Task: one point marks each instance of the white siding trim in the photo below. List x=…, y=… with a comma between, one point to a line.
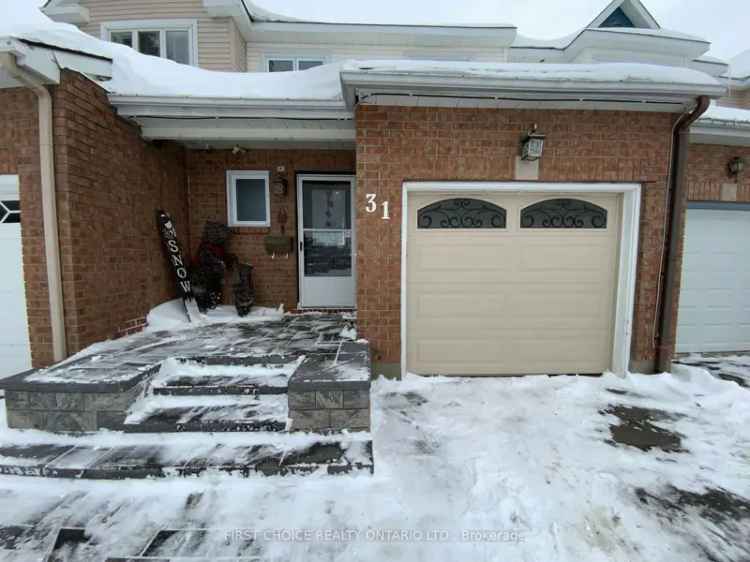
x=628, y=257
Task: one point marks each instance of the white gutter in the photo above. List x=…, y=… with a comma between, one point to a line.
x=490, y=87
x=49, y=205
x=168, y=106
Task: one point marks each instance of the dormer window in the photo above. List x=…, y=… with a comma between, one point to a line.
x=618, y=18
x=286, y=64
x=170, y=39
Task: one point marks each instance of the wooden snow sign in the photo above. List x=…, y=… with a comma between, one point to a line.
x=174, y=254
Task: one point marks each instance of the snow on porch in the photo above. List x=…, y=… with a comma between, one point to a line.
x=640, y=468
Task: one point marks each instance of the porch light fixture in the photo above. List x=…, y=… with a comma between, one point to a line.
x=736, y=166
x=532, y=145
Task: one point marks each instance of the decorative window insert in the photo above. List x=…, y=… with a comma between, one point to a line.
x=170, y=39
x=563, y=213
x=286, y=64
x=10, y=212
x=247, y=199
x=461, y=213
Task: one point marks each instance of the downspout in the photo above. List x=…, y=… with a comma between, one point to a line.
x=678, y=187
x=49, y=204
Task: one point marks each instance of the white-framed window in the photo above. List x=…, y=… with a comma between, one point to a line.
x=248, y=201
x=286, y=64
x=176, y=40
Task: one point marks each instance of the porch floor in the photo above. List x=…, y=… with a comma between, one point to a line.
x=272, y=375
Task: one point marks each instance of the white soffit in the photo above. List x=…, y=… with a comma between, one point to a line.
x=336, y=132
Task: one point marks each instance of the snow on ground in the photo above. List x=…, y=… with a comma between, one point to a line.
x=172, y=315
x=465, y=469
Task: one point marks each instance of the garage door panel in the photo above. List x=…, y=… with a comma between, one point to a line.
x=714, y=311
x=15, y=355
x=497, y=355
x=511, y=302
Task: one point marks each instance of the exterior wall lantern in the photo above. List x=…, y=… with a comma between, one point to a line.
x=736, y=166
x=532, y=145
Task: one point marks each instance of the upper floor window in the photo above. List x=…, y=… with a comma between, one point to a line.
x=285, y=64
x=169, y=39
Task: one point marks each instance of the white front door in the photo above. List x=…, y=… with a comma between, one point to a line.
x=15, y=352
x=326, y=241
x=715, y=294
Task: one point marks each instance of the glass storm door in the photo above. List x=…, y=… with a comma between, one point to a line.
x=326, y=234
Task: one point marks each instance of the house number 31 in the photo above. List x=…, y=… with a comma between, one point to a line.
x=372, y=205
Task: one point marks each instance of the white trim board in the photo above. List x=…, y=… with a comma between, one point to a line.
x=628, y=258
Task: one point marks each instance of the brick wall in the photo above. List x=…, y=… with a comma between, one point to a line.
x=708, y=177
x=275, y=279
x=109, y=185
x=19, y=155
x=395, y=144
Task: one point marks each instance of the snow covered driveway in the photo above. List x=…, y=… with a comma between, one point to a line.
x=486, y=469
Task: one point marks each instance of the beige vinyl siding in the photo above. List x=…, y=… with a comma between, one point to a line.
x=257, y=53
x=217, y=42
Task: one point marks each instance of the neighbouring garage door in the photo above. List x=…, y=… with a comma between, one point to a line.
x=15, y=355
x=715, y=296
x=501, y=283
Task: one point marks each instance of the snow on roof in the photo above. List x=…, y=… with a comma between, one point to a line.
x=730, y=115
x=739, y=66
x=560, y=43
x=314, y=13
x=23, y=20
x=135, y=74
x=593, y=73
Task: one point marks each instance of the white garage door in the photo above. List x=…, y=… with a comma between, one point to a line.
x=509, y=283
x=15, y=355
x=715, y=296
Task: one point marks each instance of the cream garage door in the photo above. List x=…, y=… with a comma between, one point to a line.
x=15, y=355
x=715, y=295
x=510, y=283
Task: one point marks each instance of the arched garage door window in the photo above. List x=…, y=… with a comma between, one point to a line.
x=563, y=213
x=461, y=213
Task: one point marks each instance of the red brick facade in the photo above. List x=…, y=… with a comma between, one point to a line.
x=708, y=172
x=275, y=279
x=395, y=144
x=109, y=185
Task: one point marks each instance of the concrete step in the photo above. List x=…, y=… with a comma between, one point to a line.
x=207, y=414
x=218, y=385
x=280, y=455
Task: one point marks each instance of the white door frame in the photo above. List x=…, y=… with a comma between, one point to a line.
x=628, y=243
x=300, y=232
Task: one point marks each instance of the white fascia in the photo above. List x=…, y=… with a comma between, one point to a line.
x=496, y=37
x=151, y=106
x=67, y=13
x=533, y=92
x=659, y=45
x=46, y=61
x=38, y=61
